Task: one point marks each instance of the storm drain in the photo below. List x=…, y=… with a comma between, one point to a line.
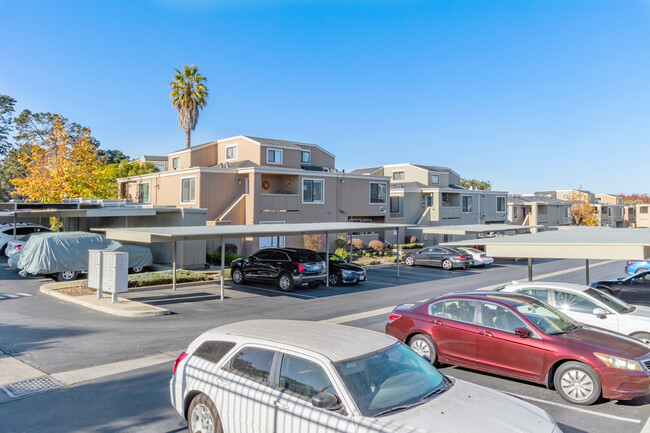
x=31, y=386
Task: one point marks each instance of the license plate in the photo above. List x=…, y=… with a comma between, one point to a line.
x=362, y=278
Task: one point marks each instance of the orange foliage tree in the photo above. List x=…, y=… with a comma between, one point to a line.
x=582, y=212
x=61, y=166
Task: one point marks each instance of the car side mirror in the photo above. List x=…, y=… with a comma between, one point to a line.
x=599, y=312
x=326, y=400
x=523, y=332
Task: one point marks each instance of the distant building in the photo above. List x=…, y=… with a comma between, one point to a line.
x=536, y=209
x=643, y=215
x=609, y=208
x=160, y=162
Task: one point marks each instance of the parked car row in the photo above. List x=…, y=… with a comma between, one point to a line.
x=447, y=258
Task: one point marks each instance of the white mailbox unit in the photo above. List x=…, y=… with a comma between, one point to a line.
x=115, y=271
x=95, y=271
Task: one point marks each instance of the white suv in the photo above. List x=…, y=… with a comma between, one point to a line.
x=590, y=306
x=22, y=230
x=299, y=376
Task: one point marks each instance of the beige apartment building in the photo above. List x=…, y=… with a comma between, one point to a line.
x=158, y=161
x=427, y=195
x=609, y=208
x=252, y=180
x=537, y=209
x=643, y=215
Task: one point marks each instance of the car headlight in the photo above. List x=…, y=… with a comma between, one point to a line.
x=347, y=273
x=618, y=362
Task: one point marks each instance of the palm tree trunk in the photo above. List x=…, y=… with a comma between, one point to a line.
x=187, y=139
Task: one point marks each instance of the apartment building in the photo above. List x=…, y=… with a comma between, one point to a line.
x=158, y=161
x=642, y=215
x=537, y=209
x=608, y=208
x=253, y=180
x=427, y=195
x=629, y=216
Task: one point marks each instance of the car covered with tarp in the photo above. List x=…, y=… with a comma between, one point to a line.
x=65, y=254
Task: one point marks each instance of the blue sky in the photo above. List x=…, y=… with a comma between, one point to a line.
x=531, y=95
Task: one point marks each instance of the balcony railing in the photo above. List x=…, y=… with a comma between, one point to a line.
x=449, y=212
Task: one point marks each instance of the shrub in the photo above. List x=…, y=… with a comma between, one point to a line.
x=216, y=257
x=357, y=243
x=165, y=277
x=412, y=239
x=340, y=242
x=411, y=246
x=313, y=242
x=342, y=253
x=231, y=248
x=377, y=245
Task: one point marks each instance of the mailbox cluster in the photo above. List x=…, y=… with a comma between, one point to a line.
x=108, y=271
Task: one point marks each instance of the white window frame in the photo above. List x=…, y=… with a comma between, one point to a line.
x=399, y=171
x=274, y=150
x=461, y=203
x=505, y=204
x=272, y=238
x=437, y=176
x=301, y=153
x=148, y=192
x=174, y=166
x=236, y=152
x=370, y=193
x=302, y=191
x=181, y=192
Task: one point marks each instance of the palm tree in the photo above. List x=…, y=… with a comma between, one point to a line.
x=188, y=94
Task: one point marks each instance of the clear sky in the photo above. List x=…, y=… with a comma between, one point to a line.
x=531, y=95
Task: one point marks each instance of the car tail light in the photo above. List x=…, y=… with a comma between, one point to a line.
x=393, y=317
x=300, y=267
x=462, y=257
x=629, y=262
x=17, y=247
x=181, y=357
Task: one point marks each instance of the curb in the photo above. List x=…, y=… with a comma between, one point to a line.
x=113, y=309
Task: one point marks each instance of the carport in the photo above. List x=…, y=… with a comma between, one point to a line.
x=587, y=243
x=174, y=235
x=476, y=229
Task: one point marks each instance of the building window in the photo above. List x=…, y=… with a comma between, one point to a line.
x=501, y=204
x=176, y=163
x=394, y=205
x=305, y=157
x=377, y=193
x=312, y=190
x=566, y=212
x=188, y=190
x=271, y=241
x=274, y=156
x=159, y=167
x=435, y=179
x=514, y=212
x=468, y=203
x=398, y=175
x=232, y=152
x=143, y=193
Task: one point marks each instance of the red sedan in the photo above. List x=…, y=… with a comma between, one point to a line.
x=518, y=336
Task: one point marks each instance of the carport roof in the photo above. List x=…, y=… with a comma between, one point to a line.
x=474, y=229
x=167, y=234
x=578, y=243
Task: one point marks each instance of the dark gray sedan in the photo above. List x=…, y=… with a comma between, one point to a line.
x=446, y=258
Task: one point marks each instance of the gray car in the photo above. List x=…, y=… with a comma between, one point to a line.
x=446, y=258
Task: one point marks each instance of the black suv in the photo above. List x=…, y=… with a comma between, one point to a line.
x=290, y=267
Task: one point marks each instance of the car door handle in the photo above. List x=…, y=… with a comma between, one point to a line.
x=223, y=382
x=436, y=322
x=280, y=405
x=486, y=333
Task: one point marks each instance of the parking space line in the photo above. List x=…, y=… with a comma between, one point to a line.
x=577, y=409
x=277, y=292
x=357, y=316
x=646, y=427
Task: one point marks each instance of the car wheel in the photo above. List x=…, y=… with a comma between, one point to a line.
x=605, y=290
x=237, y=276
x=643, y=336
x=409, y=261
x=577, y=383
x=67, y=275
x=137, y=269
x=640, y=270
x=2, y=250
x=423, y=346
x=335, y=279
x=285, y=282
x=202, y=416
x=447, y=265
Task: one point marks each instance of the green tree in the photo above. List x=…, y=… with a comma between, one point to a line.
x=188, y=95
x=6, y=117
x=476, y=184
x=111, y=156
x=109, y=174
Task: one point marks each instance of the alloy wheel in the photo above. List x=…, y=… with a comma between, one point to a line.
x=421, y=347
x=202, y=420
x=577, y=385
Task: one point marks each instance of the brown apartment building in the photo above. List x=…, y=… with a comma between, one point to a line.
x=252, y=180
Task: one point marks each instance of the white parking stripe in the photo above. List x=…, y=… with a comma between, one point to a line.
x=577, y=409
x=2, y=297
x=277, y=292
x=10, y=296
x=646, y=427
x=24, y=294
x=353, y=317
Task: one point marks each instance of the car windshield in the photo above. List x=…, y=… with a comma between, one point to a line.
x=547, y=319
x=613, y=303
x=390, y=379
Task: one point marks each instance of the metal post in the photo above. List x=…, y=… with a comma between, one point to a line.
x=113, y=298
x=173, y=265
x=530, y=269
x=58, y=221
x=398, y=252
x=223, y=264
x=327, y=258
x=351, y=247
x=587, y=271
x=14, y=225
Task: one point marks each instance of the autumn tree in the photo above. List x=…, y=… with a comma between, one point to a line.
x=476, y=184
x=62, y=164
x=635, y=198
x=582, y=213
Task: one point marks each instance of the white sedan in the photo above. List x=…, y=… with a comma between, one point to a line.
x=590, y=306
x=478, y=257
x=297, y=376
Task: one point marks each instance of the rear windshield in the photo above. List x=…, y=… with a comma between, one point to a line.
x=308, y=257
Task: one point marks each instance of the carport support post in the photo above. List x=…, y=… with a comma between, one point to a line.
x=173, y=265
x=530, y=269
x=587, y=271
x=327, y=258
x=398, y=252
x=14, y=225
x=223, y=264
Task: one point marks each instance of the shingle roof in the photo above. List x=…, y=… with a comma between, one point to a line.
x=275, y=142
x=409, y=185
x=155, y=157
x=432, y=167
x=367, y=170
x=518, y=199
x=239, y=164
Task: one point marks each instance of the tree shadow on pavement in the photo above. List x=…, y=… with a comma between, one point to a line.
x=16, y=340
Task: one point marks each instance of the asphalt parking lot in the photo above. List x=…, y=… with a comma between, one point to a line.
x=54, y=337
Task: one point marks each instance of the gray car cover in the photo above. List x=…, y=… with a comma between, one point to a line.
x=50, y=253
